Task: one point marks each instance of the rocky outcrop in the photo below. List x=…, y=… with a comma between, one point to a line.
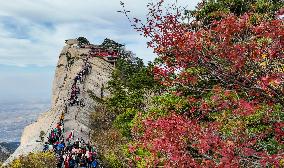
x=71, y=61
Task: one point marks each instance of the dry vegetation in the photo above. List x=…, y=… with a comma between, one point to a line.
x=107, y=138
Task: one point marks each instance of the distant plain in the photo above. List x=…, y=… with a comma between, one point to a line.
x=15, y=116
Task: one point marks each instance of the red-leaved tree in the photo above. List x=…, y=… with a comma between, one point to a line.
x=231, y=74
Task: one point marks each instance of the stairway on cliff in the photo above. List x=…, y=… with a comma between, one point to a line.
x=63, y=80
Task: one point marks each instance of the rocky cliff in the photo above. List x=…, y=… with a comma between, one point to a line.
x=71, y=61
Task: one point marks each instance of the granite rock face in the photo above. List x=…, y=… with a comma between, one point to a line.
x=70, y=63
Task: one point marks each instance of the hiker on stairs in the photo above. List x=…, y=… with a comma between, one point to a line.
x=70, y=153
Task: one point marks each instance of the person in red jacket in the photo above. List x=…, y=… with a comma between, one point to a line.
x=66, y=162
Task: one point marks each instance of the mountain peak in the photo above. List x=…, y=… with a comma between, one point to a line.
x=81, y=76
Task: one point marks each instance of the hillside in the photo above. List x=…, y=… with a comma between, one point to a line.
x=71, y=61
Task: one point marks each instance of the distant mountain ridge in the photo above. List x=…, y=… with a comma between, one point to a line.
x=7, y=148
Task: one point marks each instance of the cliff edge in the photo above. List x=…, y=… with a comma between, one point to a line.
x=72, y=59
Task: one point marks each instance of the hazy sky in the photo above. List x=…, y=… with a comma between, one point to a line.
x=32, y=33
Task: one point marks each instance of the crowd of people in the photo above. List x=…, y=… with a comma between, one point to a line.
x=74, y=99
x=70, y=152
x=79, y=78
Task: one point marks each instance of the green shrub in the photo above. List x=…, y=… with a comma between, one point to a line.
x=113, y=161
x=70, y=59
x=83, y=41
x=217, y=9
x=124, y=122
